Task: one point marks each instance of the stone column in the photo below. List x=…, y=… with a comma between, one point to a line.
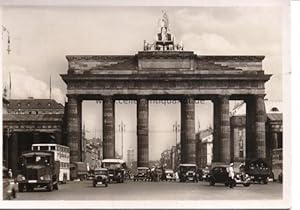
x=216, y=133
x=142, y=133
x=108, y=128
x=5, y=147
x=14, y=153
x=79, y=108
x=188, y=144
x=250, y=128
x=73, y=128
x=224, y=129
x=260, y=126
x=274, y=140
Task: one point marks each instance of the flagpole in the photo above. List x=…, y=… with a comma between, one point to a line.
x=50, y=88
x=9, y=85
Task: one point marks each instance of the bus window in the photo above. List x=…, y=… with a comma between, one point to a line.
x=44, y=148
x=52, y=148
x=35, y=148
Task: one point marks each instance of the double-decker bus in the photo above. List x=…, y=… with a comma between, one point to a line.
x=61, y=154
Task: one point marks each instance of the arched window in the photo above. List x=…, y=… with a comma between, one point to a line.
x=275, y=109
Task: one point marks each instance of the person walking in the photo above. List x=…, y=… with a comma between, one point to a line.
x=10, y=174
x=231, y=175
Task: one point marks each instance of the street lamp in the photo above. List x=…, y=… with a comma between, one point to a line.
x=122, y=130
x=4, y=30
x=176, y=129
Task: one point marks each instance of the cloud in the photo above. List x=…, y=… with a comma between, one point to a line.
x=208, y=43
x=24, y=85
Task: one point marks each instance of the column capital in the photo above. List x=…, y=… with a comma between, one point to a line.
x=221, y=96
x=260, y=95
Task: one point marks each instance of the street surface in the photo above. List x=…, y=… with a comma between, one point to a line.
x=155, y=191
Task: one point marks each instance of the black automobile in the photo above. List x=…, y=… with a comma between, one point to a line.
x=143, y=174
x=258, y=170
x=219, y=174
x=100, y=177
x=188, y=172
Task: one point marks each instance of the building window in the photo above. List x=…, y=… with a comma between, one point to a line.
x=44, y=148
x=28, y=104
x=275, y=109
x=52, y=147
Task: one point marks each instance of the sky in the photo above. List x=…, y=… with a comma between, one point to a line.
x=42, y=36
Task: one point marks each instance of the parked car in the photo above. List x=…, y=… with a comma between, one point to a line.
x=9, y=186
x=258, y=170
x=219, y=174
x=188, y=172
x=100, y=177
x=170, y=175
x=142, y=174
x=204, y=174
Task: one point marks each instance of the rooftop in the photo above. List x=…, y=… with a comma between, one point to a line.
x=32, y=103
x=32, y=118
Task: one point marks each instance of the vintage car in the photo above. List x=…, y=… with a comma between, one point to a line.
x=219, y=174
x=100, y=177
x=116, y=169
x=170, y=175
x=38, y=170
x=188, y=172
x=143, y=174
x=202, y=174
x=9, y=186
x=258, y=170
x=78, y=171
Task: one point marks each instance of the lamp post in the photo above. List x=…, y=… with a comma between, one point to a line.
x=176, y=129
x=122, y=130
x=4, y=30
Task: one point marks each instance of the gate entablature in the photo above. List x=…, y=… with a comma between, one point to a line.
x=163, y=62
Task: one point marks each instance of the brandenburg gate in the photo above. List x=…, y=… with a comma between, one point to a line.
x=163, y=70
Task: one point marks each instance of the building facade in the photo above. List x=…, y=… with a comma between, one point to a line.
x=30, y=121
x=204, y=148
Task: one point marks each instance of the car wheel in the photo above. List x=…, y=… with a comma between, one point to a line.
x=55, y=187
x=21, y=188
x=14, y=194
x=266, y=181
x=211, y=182
x=50, y=187
x=226, y=184
x=106, y=185
x=246, y=184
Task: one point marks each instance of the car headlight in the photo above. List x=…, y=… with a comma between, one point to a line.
x=45, y=177
x=20, y=178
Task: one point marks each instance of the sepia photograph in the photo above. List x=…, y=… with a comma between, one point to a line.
x=143, y=103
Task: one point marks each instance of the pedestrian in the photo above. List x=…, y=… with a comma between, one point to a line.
x=231, y=175
x=10, y=174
